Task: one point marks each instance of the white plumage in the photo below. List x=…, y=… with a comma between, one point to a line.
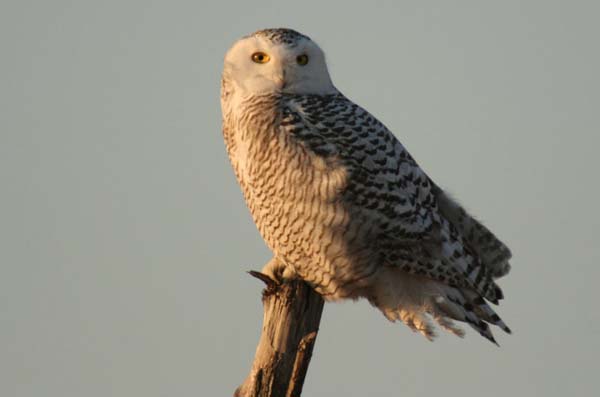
x=340, y=201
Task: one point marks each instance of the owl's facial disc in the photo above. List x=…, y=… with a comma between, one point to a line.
x=257, y=65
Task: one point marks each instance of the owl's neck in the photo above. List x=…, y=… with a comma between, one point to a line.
x=250, y=118
x=250, y=108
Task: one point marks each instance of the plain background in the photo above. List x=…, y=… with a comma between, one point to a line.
x=124, y=237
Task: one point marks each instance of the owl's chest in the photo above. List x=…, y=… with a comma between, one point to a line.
x=271, y=165
x=283, y=181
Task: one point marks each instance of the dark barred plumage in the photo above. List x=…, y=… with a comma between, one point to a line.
x=387, y=185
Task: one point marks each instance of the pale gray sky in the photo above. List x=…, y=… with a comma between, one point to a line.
x=124, y=237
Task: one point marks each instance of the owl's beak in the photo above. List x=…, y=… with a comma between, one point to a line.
x=279, y=79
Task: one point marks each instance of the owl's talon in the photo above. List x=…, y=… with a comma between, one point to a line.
x=277, y=271
x=271, y=285
x=262, y=277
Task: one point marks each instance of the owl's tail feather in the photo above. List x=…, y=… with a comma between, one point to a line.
x=416, y=301
x=484, y=311
x=469, y=307
x=455, y=307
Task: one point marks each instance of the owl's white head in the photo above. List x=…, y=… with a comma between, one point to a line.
x=276, y=60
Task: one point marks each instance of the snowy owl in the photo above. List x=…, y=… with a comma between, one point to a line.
x=339, y=200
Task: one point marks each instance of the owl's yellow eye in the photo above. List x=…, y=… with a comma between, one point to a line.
x=302, y=59
x=260, y=57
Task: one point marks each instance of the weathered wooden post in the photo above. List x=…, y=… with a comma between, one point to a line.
x=292, y=312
